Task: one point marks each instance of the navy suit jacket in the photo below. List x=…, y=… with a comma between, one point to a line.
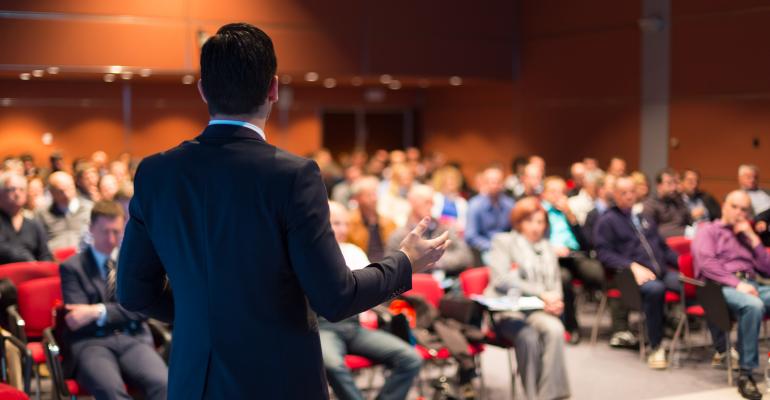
x=82, y=283
x=242, y=230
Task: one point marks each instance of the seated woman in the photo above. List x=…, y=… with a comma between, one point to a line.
x=524, y=261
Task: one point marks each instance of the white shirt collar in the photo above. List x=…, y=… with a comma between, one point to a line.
x=249, y=125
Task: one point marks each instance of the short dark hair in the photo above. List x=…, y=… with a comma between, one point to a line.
x=106, y=209
x=237, y=65
x=666, y=171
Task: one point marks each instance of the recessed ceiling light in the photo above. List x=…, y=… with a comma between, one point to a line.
x=455, y=81
x=188, y=79
x=109, y=77
x=145, y=72
x=52, y=70
x=385, y=79
x=330, y=83
x=25, y=76
x=311, y=76
x=37, y=73
x=394, y=84
x=115, y=69
x=127, y=75
x=47, y=138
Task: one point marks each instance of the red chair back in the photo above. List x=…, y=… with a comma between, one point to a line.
x=680, y=244
x=686, y=268
x=64, y=253
x=424, y=285
x=37, y=299
x=23, y=271
x=474, y=280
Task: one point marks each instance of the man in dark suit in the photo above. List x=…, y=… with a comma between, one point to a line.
x=241, y=229
x=107, y=341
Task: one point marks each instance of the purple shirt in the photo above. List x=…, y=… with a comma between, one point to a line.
x=718, y=254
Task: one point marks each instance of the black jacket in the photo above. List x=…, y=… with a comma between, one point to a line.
x=242, y=230
x=82, y=283
x=618, y=244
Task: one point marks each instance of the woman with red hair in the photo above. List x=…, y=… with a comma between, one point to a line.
x=522, y=261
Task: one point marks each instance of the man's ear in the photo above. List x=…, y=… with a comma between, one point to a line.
x=200, y=91
x=272, y=90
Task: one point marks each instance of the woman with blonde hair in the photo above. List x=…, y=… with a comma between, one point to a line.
x=448, y=206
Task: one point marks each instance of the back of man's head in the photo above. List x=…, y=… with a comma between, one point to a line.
x=237, y=67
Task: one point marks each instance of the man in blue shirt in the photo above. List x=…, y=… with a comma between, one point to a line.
x=568, y=242
x=488, y=212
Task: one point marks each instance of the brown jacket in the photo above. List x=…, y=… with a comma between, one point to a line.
x=359, y=234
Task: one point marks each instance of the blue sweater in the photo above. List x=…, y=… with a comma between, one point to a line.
x=618, y=243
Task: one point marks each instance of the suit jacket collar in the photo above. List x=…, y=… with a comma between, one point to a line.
x=228, y=132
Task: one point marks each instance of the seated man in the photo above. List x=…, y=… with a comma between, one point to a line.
x=368, y=229
x=348, y=337
x=488, y=212
x=748, y=180
x=566, y=237
x=457, y=256
x=108, y=343
x=729, y=252
x=66, y=220
x=21, y=238
x=667, y=209
x=626, y=240
x=702, y=205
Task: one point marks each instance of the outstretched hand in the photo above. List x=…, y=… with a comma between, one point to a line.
x=423, y=253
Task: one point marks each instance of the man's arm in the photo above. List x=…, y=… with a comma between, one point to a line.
x=332, y=289
x=141, y=277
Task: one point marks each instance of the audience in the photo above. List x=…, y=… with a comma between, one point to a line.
x=729, y=252
x=617, y=167
x=449, y=207
x=583, y=200
x=748, y=180
x=342, y=191
x=570, y=247
x=348, y=337
x=514, y=186
x=531, y=181
x=702, y=206
x=577, y=172
x=369, y=230
x=392, y=195
x=642, y=189
x=667, y=209
x=522, y=260
x=110, y=346
x=66, y=220
x=87, y=183
x=487, y=212
x=21, y=238
x=627, y=240
x=457, y=256
x=608, y=216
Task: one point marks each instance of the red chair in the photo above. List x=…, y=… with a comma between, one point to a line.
x=23, y=271
x=680, y=244
x=64, y=253
x=688, y=295
x=8, y=392
x=425, y=286
x=37, y=299
x=474, y=281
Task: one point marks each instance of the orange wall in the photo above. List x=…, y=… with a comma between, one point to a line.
x=720, y=91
